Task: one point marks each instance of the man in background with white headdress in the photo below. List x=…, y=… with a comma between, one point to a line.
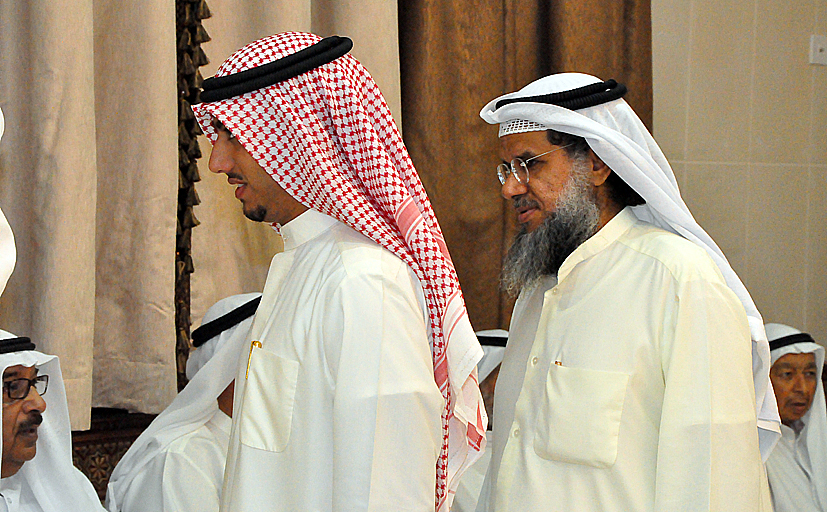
x=493, y=345
x=627, y=383
x=36, y=472
x=177, y=464
x=359, y=388
x=797, y=467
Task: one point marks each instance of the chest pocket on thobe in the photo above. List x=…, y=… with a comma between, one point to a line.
x=579, y=417
x=267, y=406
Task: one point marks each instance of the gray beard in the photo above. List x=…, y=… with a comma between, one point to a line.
x=542, y=251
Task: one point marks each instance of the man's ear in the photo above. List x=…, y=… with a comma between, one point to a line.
x=600, y=171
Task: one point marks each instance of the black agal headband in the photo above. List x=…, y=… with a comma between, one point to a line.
x=15, y=345
x=575, y=99
x=224, y=87
x=492, y=341
x=224, y=322
x=792, y=339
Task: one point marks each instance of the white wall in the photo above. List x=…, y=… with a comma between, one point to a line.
x=742, y=117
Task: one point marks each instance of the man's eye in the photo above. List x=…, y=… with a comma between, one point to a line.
x=15, y=386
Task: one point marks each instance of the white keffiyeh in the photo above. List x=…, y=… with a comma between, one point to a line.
x=211, y=368
x=50, y=476
x=616, y=134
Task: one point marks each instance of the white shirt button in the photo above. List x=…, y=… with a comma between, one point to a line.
x=516, y=432
x=534, y=361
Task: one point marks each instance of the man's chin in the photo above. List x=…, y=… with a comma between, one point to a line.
x=256, y=214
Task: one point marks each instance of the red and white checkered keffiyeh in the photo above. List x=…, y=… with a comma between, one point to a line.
x=327, y=137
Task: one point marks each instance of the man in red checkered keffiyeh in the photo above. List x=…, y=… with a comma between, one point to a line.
x=359, y=391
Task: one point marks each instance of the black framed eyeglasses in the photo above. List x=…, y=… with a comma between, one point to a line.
x=19, y=388
x=519, y=167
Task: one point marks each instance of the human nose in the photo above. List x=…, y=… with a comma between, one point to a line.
x=512, y=187
x=221, y=158
x=34, y=402
x=798, y=383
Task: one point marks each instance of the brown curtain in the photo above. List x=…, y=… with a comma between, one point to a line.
x=457, y=56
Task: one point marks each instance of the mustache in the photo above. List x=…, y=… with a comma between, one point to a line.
x=234, y=175
x=524, y=202
x=33, y=420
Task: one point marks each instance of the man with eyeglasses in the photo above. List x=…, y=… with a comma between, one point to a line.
x=36, y=470
x=627, y=382
x=37, y=474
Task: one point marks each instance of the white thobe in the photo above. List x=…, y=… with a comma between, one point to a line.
x=627, y=385
x=17, y=496
x=790, y=475
x=339, y=410
x=187, y=475
x=468, y=490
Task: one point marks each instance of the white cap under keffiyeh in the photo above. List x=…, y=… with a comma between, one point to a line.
x=813, y=436
x=52, y=478
x=193, y=406
x=616, y=134
x=327, y=137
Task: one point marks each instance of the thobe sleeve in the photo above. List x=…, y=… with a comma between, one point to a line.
x=387, y=408
x=172, y=482
x=708, y=458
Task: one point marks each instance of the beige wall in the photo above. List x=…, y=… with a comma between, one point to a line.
x=742, y=117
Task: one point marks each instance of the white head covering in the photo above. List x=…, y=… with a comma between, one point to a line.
x=8, y=252
x=204, y=353
x=616, y=134
x=814, y=434
x=54, y=481
x=210, y=374
x=493, y=345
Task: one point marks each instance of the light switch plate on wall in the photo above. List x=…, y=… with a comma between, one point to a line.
x=818, y=50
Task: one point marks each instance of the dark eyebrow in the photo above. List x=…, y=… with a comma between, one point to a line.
x=10, y=374
x=525, y=155
x=218, y=125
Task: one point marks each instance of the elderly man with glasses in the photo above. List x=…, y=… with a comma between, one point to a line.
x=36, y=472
x=627, y=382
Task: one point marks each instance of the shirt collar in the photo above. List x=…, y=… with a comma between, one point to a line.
x=620, y=223
x=305, y=227
x=10, y=486
x=222, y=421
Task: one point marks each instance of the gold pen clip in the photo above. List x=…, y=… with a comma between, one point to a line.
x=250, y=357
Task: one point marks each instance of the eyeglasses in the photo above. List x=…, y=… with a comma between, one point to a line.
x=519, y=167
x=19, y=388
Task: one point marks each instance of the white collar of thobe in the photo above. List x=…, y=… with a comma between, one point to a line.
x=222, y=421
x=10, y=487
x=790, y=432
x=305, y=227
x=618, y=225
